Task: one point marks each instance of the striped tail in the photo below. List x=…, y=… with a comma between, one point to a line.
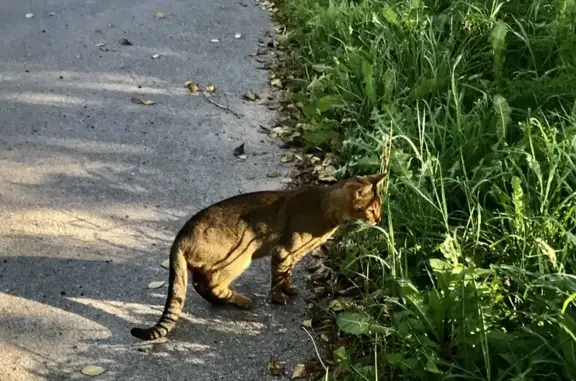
x=178, y=283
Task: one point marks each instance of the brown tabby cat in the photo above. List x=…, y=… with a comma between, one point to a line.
x=219, y=242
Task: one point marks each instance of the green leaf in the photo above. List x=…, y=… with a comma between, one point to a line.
x=439, y=265
x=356, y=324
x=368, y=81
x=502, y=114
x=322, y=68
x=327, y=102
x=389, y=83
x=353, y=323
x=390, y=15
x=498, y=37
x=341, y=355
x=450, y=248
x=316, y=138
x=394, y=358
x=431, y=367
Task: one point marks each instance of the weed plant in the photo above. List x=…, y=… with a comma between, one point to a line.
x=470, y=274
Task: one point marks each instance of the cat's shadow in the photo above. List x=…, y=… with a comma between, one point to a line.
x=110, y=296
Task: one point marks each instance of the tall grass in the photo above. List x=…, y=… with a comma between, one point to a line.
x=470, y=274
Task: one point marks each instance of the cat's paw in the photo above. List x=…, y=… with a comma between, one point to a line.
x=278, y=297
x=289, y=290
x=241, y=301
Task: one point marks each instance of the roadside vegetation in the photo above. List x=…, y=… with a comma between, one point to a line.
x=470, y=273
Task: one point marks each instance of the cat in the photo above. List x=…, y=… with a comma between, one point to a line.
x=218, y=243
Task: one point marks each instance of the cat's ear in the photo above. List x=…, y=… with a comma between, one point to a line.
x=363, y=191
x=377, y=180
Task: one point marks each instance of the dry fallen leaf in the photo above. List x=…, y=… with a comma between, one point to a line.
x=307, y=324
x=282, y=131
x=239, y=150
x=211, y=89
x=156, y=284
x=125, y=42
x=29, y=15
x=166, y=264
x=250, y=96
x=192, y=87
x=159, y=15
x=93, y=370
x=276, y=82
x=299, y=371
x=155, y=56
x=138, y=101
x=264, y=129
x=287, y=158
x=320, y=290
x=340, y=304
x=336, y=305
x=275, y=368
x=237, y=35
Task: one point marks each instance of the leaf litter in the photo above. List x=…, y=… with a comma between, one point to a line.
x=125, y=42
x=93, y=370
x=156, y=284
x=275, y=368
x=238, y=151
x=299, y=371
x=250, y=96
x=192, y=87
x=138, y=101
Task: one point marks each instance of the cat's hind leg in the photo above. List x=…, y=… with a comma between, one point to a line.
x=200, y=283
x=218, y=283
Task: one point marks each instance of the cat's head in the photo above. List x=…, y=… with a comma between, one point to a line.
x=364, y=199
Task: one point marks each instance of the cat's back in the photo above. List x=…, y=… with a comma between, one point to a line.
x=239, y=210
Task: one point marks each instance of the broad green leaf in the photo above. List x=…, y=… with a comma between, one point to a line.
x=327, y=102
x=394, y=358
x=431, y=367
x=498, y=37
x=390, y=15
x=502, y=114
x=353, y=323
x=340, y=354
x=439, y=265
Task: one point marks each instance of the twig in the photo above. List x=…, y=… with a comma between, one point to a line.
x=223, y=107
x=316, y=349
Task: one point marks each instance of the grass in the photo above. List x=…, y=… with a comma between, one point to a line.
x=470, y=274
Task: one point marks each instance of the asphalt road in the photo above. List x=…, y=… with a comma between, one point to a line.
x=93, y=187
